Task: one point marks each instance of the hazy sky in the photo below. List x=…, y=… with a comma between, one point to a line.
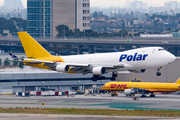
x=115, y=3
x=123, y=3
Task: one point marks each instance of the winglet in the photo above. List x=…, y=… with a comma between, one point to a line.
x=12, y=55
x=178, y=81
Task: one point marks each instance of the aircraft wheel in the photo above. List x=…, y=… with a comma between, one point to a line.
x=143, y=95
x=113, y=79
x=103, y=77
x=114, y=75
x=152, y=95
x=158, y=74
x=94, y=79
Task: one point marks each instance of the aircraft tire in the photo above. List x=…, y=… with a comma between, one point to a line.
x=114, y=75
x=158, y=74
x=143, y=96
x=113, y=79
x=152, y=95
x=94, y=79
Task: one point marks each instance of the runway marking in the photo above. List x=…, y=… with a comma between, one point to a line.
x=53, y=116
x=47, y=115
x=113, y=117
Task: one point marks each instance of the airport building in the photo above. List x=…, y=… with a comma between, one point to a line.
x=28, y=79
x=44, y=15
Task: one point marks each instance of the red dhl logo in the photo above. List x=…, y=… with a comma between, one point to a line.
x=56, y=61
x=119, y=86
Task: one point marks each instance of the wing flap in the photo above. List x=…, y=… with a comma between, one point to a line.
x=114, y=66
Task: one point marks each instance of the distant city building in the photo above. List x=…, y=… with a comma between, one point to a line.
x=138, y=5
x=10, y=5
x=171, y=5
x=42, y=19
x=167, y=5
x=178, y=5
x=144, y=5
x=133, y=5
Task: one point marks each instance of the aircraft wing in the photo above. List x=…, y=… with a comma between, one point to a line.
x=116, y=66
x=87, y=68
x=75, y=67
x=140, y=90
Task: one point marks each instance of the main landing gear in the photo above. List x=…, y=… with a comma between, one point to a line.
x=143, y=94
x=114, y=75
x=94, y=78
x=158, y=73
x=152, y=95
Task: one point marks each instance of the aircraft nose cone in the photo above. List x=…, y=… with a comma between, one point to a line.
x=171, y=57
x=103, y=87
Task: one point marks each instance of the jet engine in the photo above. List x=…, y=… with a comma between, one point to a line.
x=139, y=71
x=98, y=70
x=129, y=92
x=62, y=68
x=143, y=70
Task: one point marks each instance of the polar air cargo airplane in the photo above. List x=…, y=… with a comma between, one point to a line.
x=131, y=88
x=136, y=60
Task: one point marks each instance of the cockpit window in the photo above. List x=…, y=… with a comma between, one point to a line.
x=160, y=49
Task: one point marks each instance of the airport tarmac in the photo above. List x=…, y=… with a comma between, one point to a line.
x=74, y=117
x=103, y=101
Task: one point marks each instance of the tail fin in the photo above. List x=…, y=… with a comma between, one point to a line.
x=178, y=81
x=31, y=47
x=12, y=55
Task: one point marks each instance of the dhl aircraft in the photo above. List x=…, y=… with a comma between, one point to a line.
x=136, y=60
x=131, y=88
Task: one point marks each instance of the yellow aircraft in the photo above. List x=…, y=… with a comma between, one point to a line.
x=131, y=88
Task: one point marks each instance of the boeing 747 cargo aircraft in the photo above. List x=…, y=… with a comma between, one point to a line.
x=135, y=60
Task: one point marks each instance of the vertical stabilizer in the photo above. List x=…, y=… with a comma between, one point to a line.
x=31, y=47
x=178, y=81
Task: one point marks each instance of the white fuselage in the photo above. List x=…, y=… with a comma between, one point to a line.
x=141, y=58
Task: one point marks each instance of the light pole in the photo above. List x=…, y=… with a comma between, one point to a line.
x=64, y=31
x=44, y=19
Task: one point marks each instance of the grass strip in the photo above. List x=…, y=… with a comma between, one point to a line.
x=72, y=111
